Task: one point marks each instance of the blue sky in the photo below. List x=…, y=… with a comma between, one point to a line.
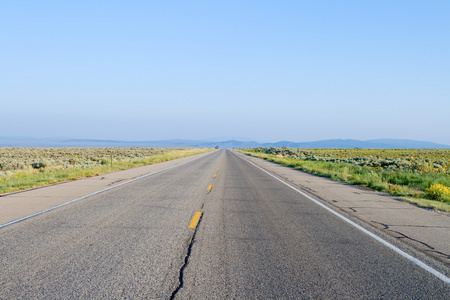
x=260, y=70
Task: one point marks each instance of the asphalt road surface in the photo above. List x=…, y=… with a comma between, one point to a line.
x=214, y=228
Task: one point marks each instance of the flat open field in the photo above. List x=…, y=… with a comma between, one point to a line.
x=23, y=168
x=421, y=176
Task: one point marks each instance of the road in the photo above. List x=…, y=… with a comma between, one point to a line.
x=255, y=238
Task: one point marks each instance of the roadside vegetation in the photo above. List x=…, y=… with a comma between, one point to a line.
x=418, y=176
x=24, y=168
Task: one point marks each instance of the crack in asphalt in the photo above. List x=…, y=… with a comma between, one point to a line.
x=400, y=208
x=186, y=261
x=447, y=256
x=402, y=235
x=114, y=182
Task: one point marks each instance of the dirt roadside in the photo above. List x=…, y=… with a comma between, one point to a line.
x=424, y=230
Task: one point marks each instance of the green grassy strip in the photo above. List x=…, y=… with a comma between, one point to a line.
x=30, y=178
x=404, y=184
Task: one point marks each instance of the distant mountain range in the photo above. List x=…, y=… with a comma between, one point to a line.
x=336, y=143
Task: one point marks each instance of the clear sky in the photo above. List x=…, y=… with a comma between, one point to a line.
x=259, y=70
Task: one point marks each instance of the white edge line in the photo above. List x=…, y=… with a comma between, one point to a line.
x=379, y=239
x=98, y=192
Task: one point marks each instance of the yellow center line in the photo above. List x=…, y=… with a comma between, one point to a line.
x=195, y=219
x=214, y=175
x=217, y=169
x=209, y=187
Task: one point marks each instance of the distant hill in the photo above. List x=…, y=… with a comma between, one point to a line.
x=375, y=144
x=334, y=143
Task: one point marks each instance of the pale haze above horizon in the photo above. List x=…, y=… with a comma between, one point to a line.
x=257, y=70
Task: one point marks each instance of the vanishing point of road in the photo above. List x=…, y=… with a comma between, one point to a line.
x=217, y=227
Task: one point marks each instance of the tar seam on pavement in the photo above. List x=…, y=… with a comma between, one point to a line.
x=186, y=261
